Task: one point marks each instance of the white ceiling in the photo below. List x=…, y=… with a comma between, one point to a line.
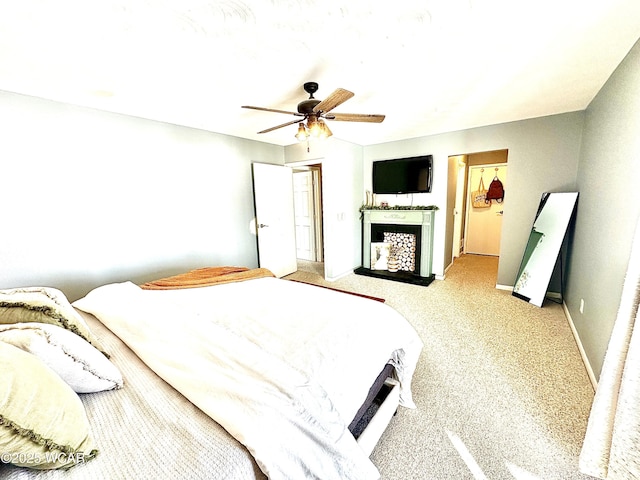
x=430, y=66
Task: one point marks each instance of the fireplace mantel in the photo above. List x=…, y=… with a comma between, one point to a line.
x=422, y=218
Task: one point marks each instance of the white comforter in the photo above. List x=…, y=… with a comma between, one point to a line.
x=282, y=366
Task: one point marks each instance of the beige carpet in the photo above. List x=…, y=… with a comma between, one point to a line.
x=500, y=388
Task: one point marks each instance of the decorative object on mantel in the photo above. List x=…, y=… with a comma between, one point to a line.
x=370, y=200
x=399, y=207
x=366, y=207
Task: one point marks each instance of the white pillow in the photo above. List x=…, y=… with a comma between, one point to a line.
x=77, y=362
x=43, y=423
x=43, y=305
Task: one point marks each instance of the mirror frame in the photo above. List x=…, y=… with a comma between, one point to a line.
x=548, y=232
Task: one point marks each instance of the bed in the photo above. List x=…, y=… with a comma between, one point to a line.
x=232, y=373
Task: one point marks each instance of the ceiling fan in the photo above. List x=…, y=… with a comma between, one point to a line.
x=315, y=112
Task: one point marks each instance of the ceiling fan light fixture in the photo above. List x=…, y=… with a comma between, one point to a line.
x=325, y=132
x=302, y=134
x=315, y=111
x=313, y=124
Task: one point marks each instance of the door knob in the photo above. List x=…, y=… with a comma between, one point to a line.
x=262, y=225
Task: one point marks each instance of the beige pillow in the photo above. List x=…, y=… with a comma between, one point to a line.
x=43, y=424
x=43, y=305
x=77, y=362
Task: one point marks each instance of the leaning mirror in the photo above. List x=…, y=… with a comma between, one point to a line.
x=543, y=247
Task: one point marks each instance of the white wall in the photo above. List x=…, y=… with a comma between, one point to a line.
x=342, y=197
x=90, y=197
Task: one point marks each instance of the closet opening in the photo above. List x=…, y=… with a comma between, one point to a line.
x=477, y=226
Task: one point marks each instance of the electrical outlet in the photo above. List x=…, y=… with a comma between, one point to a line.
x=582, y=305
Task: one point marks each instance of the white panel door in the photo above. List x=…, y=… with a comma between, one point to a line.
x=484, y=225
x=273, y=196
x=305, y=223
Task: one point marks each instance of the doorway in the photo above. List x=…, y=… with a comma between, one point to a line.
x=484, y=222
x=307, y=195
x=466, y=240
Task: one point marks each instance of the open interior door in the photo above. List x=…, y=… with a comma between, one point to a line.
x=275, y=218
x=484, y=225
x=305, y=218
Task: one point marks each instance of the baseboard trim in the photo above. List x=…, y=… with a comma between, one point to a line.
x=342, y=275
x=509, y=288
x=583, y=354
x=447, y=269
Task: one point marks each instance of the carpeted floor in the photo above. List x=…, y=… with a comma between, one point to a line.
x=500, y=388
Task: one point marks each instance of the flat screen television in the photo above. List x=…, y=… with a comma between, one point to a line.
x=403, y=175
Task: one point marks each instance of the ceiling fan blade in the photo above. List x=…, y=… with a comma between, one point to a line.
x=356, y=117
x=283, y=125
x=272, y=110
x=338, y=97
